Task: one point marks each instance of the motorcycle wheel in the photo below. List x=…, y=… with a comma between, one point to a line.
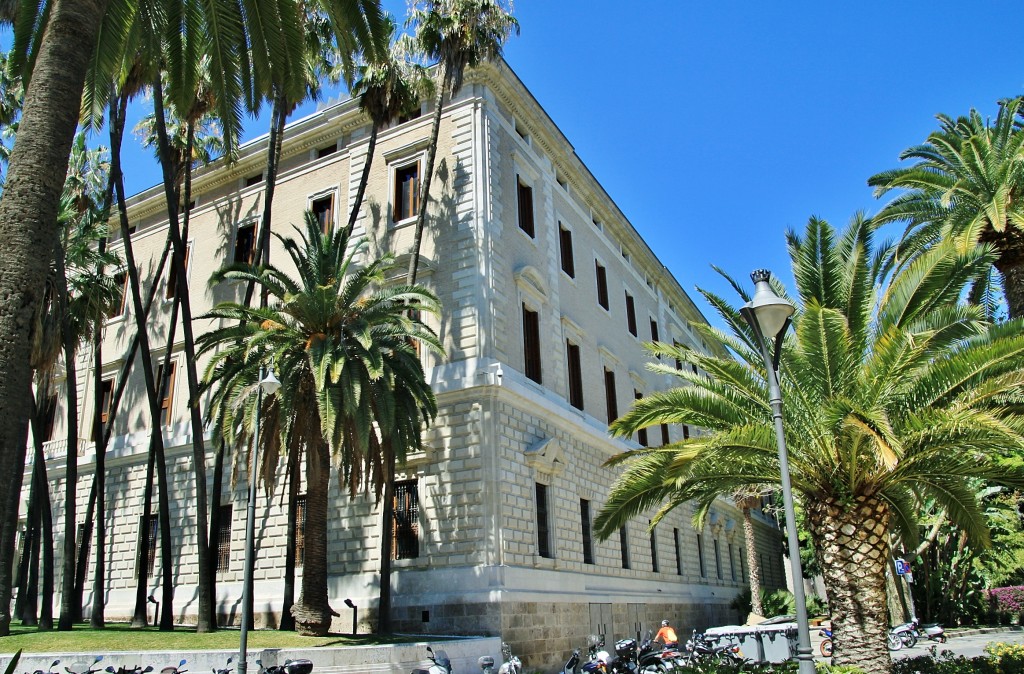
x=656, y=668
x=909, y=639
x=941, y=638
x=894, y=642
x=826, y=648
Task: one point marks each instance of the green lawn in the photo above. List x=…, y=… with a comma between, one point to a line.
x=121, y=637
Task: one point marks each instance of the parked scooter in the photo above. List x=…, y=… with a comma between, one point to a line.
x=573, y=663
x=180, y=669
x=625, y=659
x=702, y=650
x=826, y=642
x=299, y=666
x=91, y=669
x=512, y=664
x=53, y=665
x=440, y=664
x=597, y=656
x=226, y=669
x=931, y=631
x=129, y=670
x=652, y=658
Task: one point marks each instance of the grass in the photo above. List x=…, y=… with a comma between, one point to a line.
x=121, y=637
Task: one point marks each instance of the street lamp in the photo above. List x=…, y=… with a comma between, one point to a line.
x=269, y=384
x=769, y=316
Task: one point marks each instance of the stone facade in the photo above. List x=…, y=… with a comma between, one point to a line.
x=501, y=437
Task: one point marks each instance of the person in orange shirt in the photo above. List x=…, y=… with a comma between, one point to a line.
x=667, y=635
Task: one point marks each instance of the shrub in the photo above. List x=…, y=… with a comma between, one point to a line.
x=1006, y=602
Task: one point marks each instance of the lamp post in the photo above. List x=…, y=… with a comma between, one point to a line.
x=769, y=316
x=269, y=385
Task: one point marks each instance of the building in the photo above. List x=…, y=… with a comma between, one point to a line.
x=548, y=294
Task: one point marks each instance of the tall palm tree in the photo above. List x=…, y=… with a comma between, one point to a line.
x=341, y=345
x=967, y=181
x=456, y=34
x=893, y=394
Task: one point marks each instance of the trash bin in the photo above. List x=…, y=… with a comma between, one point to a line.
x=764, y=643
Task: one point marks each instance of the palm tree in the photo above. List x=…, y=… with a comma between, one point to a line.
x=894, y=394
x=457, y=34
x=967, y=182
x=342, y=347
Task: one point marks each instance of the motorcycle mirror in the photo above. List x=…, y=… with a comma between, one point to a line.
x=430, y=650
x=110, y=668
x=182, y=662
x=149, y=668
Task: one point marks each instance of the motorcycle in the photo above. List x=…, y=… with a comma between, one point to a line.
x=440, y=663
x=653, y=659
x=91, y=669
x=826, y=643
x=625, y=660
x=700, y=649
x=932, y=631
x=595, y=665
x=572, y=663
x=50, y=671
x=300, y=666
x=512, y=664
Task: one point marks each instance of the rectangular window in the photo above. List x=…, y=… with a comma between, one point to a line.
x=588, y=539
x=531, y=344
x=630, y=314
x=543, y=530
x=718, y=559
x=172, y=278
x=245, y=243
x=686, y=432
x=654, y=551
x=407, y=192
x=654, y=331
x=611, y=403
x=700, y=556
x=679, y=363
x=86, y=544
x=602, y=284
x=641, y=435
x=664, y=435
x=565, y=247
x=525, y=193
x=406, y=544
x=679, y=557
x=165, y=385
x=323, y=209
x=148, y=526
x=732, y=563
x=106, y=397
x=572, y=352
x=47, y=417
x=743, y=564
x=254, y=180
x=223, y=561
x=326, y=150
x=300, y=529
x=624, y=546
x=120, y=302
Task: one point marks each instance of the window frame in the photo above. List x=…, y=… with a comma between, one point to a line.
x=565, y=251
x=328, y=222
x=587, y=531
x=601, y=278
x=543, y=511
x=300, y=530
x=405, y=533
x=397, y=194
x=171, y=280
x=253, y=226
x=631, y=314
x=526, y=216
x=641, y=434
x=106, y=399
x=624, y=546
x=222, y=557
x=574, y=366
x=165, y=392
x=701, y=565
x=611, y=397
x=533, y=366
x=655, y=567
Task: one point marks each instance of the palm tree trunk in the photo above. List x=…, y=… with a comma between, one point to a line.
x=182, y=297
x=753, y=574
x=313, y=612
x=387, y=533
x=26, y=607
x=428, y=175
x=364, y=178
x=215, y=524
x=141, y=618
x=28, y=230
x=1010, y=263
x=99, y=487
x=288, y=599
x=71, y=465
x=45, y=531
x=852, y=543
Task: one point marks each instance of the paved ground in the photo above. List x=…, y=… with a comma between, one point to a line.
x=968, y=642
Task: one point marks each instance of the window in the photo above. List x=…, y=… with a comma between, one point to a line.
x=611, y=403
x=323, y=209
x=245, y=243
x=664, y=435
x=117, y=307
x=172, y=278
x=654, y=551
x=718, y=559
x=543, y=529
x=565, y=248
x=407, y=192
x=686, y=432
x=525, y=208
x=531, y=344
x=254, y=180
x=624, y=546
x=630, y=314
x=572, y=352
x=602, y=284
x=732, y=563
x=84, y=545
x=106, y=396
x=743, y=564
x=700, y=556
x=654, y=331
x=47, y=417
x=588, y=539
x=641, y=435
x=679, y=363
x=406, y=543
x=300, y=529
x=147, y=527
x=679, y=557
x=165, y=385
x=223, y=560
x=326, y=150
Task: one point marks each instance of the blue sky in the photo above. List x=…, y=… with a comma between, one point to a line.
x=717, y=126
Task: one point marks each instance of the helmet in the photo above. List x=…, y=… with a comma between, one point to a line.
x=664, y=623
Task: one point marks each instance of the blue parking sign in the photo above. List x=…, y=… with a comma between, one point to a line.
x=902, y=568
